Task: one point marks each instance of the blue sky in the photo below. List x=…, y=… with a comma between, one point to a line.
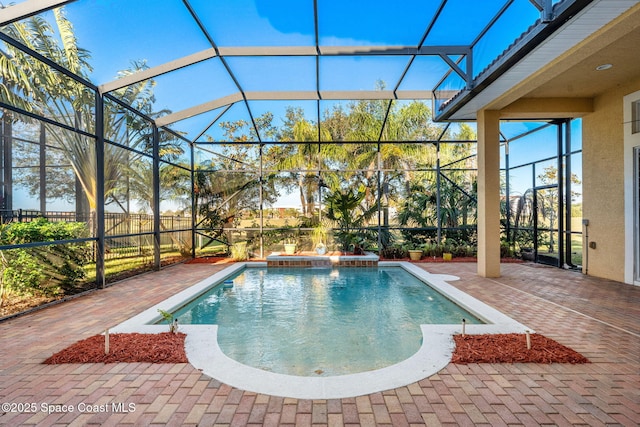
x=117, y=32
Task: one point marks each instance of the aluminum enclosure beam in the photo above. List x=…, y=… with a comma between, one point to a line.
x=28, y=8
x=150, y=73
x=270, y=51
x=291, y=95
x=198, y=109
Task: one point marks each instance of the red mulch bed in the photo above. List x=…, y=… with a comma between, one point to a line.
x=512, y=348
x=165, y=347
x=169, y=348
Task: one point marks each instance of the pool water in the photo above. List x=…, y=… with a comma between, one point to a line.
x=321, y=322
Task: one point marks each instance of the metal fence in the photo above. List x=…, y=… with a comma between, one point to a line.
x=126, y=235
x=115, y=223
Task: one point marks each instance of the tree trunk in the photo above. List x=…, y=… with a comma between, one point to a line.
x=7, y=163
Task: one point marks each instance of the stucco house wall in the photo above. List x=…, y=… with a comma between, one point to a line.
x=603, y=183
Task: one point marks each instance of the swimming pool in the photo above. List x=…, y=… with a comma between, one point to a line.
x=324, y=321
x=204, y=352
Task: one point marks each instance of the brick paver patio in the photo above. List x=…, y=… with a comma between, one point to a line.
x=599, y=318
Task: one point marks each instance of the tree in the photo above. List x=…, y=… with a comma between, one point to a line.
x=410, y=123
x=548, y=198
x=454, y=190
x=304, y=161
x=346, y=210
x=35, y=87
x=229, y=184
x=26, y=159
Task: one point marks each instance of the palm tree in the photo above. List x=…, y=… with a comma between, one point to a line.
x=409, y=123
x=523, y=211
x=345, y=208
x=454, y=193
x=33, y=86
x=304, y=159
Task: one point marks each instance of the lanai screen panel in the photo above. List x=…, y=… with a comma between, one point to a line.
x=199, y=56
x=121, y=33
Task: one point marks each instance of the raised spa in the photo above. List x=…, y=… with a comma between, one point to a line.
x=325, y=321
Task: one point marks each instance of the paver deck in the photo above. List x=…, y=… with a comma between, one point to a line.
x=599, y=318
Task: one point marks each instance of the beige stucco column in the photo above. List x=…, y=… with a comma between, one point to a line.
x=488, y=193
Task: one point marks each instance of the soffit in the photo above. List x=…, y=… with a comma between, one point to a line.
x=582, y=80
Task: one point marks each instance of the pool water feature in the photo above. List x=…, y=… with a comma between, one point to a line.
x=326, y=321
x=204, y=352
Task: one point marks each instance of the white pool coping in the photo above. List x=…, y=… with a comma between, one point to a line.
x=204, y=353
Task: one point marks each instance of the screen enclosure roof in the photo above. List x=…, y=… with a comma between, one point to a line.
x=214, y=61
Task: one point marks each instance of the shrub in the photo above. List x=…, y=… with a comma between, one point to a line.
x=393, y=252
x=21, y=273
x=432, y=249
x=239, y=251
x=50, y=269
x=506, y=251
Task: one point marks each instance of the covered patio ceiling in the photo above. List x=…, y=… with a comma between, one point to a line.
x=235, y=60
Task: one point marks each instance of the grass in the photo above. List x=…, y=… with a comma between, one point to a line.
x=576, y=250
x=127, y=264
